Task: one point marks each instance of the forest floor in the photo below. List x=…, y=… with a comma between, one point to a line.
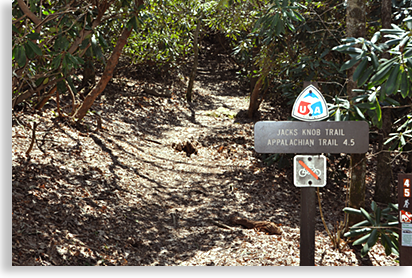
x=158, y=182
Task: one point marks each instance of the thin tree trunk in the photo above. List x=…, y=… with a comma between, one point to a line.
x=107, y=75
x=384, y=170
x=409, y=164
x=254, y=102
x=355, y=27
x=195, y=62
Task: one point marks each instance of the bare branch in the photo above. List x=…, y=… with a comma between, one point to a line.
x=28, y=13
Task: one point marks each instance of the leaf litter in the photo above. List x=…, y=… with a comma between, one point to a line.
x=129, y=193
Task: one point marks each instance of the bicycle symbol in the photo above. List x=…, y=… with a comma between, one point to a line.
x=303, y=172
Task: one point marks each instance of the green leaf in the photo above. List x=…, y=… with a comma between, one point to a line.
x=349, y=50
x=391, y=83
x=386, y=243
x=362, y=239
x=378, y=113
x=408, y=53
x=392, y=101
x=370, y=242
x=352, y=211
x=133, y=24
x=367, y=216
x=39, y=81
x=84, y=43
x=365, y=76
x=299, y=16
x=102, y=41
x=375, y=61
x=360, y=68
x=353, y=233
x=359, y=112
x=97, y=49
x=280, y=28
x=360, y=224
x=35, y=48
x=378, y=216
x=70, y=82
x=337, y=115
x=390, y=139
x=14, y=29
x=20, y=55
x=56, y=61
x=29, y=52
x=222, y=3
x=405, y=84
x=375, y=37
x=61, y=86
x=409, y=62
x=350, y=63
x=384, y=69
x=33, y=36
x=61, y=43
x=373, y=205
x=373, y=238
x=394, y=207
x=342, y=47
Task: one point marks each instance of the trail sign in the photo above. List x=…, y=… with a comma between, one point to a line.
x=310, y=105
x=405, y=218
x=311, y=137
x=309, y=170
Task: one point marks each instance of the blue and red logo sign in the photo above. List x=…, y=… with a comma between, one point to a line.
x=310, y=105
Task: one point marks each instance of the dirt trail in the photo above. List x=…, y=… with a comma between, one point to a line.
x=158, y=183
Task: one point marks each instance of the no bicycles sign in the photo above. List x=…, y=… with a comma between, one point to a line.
x=309, y=170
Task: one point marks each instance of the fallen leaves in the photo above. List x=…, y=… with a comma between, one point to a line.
x=123, y=195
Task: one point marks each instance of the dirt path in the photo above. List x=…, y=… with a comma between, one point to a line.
x=158, y=184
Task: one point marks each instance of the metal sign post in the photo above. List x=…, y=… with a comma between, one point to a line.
x=405, y=218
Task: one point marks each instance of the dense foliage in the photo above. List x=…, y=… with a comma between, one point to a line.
x=50, y=39
x=381, y=81
x=379, y=224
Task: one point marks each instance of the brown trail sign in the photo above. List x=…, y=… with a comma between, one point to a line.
x=405, y=218
x=311, y=137
x=308, y=137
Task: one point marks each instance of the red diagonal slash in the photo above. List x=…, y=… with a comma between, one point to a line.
x=308, y=169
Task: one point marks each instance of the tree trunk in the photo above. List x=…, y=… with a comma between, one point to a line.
x=383, y=187
x=409, y=164
x=195, y=62
x=355, y=27
x=107, y=75
x=254, y=98
x=384, y=170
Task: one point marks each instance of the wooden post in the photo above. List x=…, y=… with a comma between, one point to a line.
x=307, y=217
x=307, y=226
